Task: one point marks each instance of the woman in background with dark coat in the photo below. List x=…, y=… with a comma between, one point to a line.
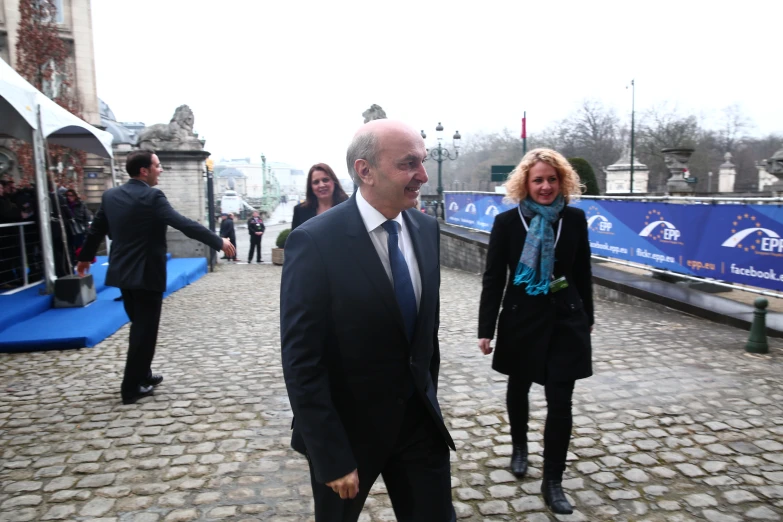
x=323, y=192
x=540, y=255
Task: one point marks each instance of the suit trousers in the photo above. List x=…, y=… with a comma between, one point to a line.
x=255, y=243
x=557, y=430
x=143, y=309
x=417, y=475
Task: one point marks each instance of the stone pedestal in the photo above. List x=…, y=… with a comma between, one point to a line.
x=184, y=185
x=766, y=179
x=618, y=176
x=726, y=175
x=182, y=156
x=677, y=163
x=771, y=173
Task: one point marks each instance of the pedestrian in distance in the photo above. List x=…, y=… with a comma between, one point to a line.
x=323, y=192
x=539, y=255
x=227, y=231
x=256, y=228
x=359, y=315
x=135, y=215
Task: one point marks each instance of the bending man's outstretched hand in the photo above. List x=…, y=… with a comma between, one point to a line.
x=83, y=268
x=228, y=248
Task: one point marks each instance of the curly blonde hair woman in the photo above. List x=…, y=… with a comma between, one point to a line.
x=538, y=267
x=570, y=185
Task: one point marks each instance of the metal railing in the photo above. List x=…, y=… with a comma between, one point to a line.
x=20, y=256
x=695, y=199
x=708, y=199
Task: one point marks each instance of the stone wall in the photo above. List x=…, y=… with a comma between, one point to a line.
x=463, y=249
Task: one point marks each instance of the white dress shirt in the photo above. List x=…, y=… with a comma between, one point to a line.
x=379, y=237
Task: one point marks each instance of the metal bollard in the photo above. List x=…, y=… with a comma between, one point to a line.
x=757, y=341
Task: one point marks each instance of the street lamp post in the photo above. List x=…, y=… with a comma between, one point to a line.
x=210, y=165
x=633, y=113
x=441, y=154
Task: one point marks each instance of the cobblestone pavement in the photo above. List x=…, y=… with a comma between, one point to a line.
x=677, y=424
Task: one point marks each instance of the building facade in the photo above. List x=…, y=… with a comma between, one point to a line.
x=74, y=20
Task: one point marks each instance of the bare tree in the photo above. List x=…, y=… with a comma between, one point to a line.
x=662, y=127
x=595, y=133
x=733, y=127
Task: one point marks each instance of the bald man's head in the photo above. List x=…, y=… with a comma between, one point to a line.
x=368, y=141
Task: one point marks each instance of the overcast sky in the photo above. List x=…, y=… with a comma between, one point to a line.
x=291, y=79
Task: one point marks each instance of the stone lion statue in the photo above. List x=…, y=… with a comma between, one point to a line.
x=176, y=135
x=375, y=112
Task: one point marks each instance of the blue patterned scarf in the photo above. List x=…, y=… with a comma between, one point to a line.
x=538, y=255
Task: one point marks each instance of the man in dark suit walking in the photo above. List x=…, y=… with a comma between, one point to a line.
x=359, y=315
x=136, y=216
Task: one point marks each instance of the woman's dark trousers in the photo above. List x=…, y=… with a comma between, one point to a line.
x=557, y=431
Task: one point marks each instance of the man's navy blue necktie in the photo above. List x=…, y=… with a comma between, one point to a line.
x=403, y=286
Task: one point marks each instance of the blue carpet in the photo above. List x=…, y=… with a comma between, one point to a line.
x=28, y=323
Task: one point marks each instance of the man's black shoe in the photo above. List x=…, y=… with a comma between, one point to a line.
x=519, y=460
x=153, y=380
x=555, y=498
x=140, y=392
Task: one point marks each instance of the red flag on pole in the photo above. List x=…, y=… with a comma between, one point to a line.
x=524, y=127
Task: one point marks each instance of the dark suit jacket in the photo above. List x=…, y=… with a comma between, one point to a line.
x=302, y=214
x=227, y=230
x=135, y=217
x=347, y=362
x=539, y=337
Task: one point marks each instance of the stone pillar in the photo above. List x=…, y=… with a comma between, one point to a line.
x=677, y=162
x=726, y=175
x=182, y=156
x=618, y=175
x=184, y=185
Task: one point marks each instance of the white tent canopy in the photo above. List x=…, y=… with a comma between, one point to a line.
x=19, y=102
x=28, y=115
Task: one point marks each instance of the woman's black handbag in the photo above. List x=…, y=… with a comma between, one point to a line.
x=75, y=228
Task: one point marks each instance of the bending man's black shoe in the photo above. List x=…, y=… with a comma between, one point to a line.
x=555, y=498
x=153, y=380
x=519, y=460
x=140, y=392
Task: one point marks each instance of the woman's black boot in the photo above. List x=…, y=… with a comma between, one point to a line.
x=519, y=460
x=555, y=499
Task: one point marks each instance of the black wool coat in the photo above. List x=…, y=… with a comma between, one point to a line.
x=540, y=338
x=303, y=213
x=227, y=230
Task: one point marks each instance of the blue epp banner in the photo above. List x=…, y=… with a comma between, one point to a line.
x=734, y=243
x=474, y=210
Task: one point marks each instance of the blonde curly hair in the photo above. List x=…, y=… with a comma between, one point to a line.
x=570, y=185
